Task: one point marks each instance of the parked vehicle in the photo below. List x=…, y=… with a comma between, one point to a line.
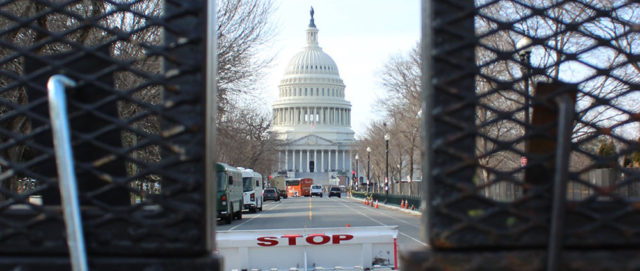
x=229, y=192
x=316, y=190
x=252, y=190
x=335, y=191
x=279, y=183
x=271, y=194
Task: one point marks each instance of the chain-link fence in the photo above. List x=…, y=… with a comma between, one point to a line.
x=500, y=65
x=400, y=189
x=137, y=121
x=497, y=77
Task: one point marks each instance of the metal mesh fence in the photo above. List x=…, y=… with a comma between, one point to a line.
x=136, y=119
x=494, y=72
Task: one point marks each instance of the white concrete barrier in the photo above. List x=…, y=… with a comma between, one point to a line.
x=353, y=248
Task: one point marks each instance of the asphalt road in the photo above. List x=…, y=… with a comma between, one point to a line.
x=329, y=212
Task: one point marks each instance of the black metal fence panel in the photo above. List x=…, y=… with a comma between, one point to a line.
x=496, y=70
x=137, y=121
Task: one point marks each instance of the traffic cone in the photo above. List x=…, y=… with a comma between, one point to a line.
x=406, y=205
x=376, y=204
x=366, y=201
x=413, y=208
x=402, y=204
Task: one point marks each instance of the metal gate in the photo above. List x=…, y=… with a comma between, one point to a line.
x=527, y=101
x=137, y=119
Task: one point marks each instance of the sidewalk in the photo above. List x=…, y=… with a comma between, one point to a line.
x=389, y=206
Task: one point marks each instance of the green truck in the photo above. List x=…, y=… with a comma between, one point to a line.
x=229, y=195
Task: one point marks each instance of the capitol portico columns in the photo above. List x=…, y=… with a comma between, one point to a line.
x=322, y=160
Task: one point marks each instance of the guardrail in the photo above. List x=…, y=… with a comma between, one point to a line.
x=396, y=200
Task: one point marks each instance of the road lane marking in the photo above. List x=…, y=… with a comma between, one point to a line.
x=247, y=221
x=310, y=214
x=375, y=220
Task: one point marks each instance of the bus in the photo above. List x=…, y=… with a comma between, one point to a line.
x=305, y=186
x=229, y=192
x=299, y=187
x=293, y=187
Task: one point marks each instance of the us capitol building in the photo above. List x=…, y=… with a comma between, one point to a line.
x=312, y=117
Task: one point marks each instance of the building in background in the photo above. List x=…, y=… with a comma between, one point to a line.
x=312, y=117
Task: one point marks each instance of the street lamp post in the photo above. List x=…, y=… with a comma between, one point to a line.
x=399, y=180
x=356, y=171
x=524, y=53
x=368, y=167
x=524, y=48
x=386, y=174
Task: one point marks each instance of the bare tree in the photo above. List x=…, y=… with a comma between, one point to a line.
x=244, y=140
x=401, y=79
x=243, y=30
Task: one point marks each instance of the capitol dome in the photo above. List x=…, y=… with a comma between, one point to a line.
x=312, y=60
x=312, y=118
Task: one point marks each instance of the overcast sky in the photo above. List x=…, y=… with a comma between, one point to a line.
x=360, y=36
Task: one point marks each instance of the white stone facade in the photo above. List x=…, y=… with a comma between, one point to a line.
x=312, y=117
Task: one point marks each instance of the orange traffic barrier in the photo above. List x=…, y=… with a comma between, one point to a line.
x=376, y=204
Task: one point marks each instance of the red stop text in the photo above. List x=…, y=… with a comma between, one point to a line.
x=295, y=239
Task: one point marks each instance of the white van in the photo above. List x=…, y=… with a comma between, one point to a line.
x=316, y=190
x=251, y=190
